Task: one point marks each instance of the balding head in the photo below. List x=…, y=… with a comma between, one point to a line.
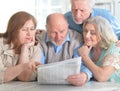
x=57, y=28
x=56, y=18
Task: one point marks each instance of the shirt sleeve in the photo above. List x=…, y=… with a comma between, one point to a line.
x=112, y=60
x=86, y=70
x=109, y=16
x=83, y=67
x=43, y=58
x=2, y=68
x=2, y=71
x=112, y=57
x=36, y=53
x=115, y=24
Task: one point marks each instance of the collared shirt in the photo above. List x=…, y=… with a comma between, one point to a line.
x=96, y=12
x=58, y=48
x=75, y=54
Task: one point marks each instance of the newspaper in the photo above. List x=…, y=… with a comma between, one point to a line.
x=57, y=73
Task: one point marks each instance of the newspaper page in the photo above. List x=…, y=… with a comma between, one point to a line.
x=57, y=73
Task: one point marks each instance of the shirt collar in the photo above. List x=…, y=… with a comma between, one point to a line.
x=92, y=13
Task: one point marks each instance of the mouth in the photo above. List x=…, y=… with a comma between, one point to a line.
x=87, y=41
x=78, y=21
x=30, y=39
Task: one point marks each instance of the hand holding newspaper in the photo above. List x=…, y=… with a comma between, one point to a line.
x=57, y=73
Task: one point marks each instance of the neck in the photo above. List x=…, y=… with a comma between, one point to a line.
x=97, y=48
x=96, y=53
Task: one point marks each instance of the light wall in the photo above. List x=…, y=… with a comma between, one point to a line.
x=9, y=7
x=39, y=8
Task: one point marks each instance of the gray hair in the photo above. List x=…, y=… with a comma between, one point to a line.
x=103, y=29
x=91, y=2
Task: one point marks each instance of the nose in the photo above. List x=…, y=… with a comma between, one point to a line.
x=57, y=36
x=78, y=13
x=28, y=32
x=88, y=35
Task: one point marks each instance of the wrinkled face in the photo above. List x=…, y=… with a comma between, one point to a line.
x=57, y=32
x=27, y=32
x=90, y=35
x=80, y=11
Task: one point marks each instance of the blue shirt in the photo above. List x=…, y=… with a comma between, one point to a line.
x=75, y=54
x=96, y=12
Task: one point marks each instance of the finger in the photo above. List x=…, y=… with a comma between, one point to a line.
x=33, y=39
x=31, y=43
x=89, y=47
x=76, y=82
x=37, y=63
x=33, y=67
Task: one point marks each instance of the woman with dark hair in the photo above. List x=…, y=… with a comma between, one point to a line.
x=19, y=53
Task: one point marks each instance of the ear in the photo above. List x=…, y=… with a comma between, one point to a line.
x=91, y=9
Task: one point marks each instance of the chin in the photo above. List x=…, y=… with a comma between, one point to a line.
x=27, y=42
x=78, y=22
x=57, y=44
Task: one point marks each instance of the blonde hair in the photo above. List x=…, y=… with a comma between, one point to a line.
x=103, y=29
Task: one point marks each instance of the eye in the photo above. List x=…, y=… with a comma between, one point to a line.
x=74, y=10
x=24, y=29
x=32, y=28
x=62, y=31
x=93, y=33
x=85, y=31
x=82, y=10
x=53, y=32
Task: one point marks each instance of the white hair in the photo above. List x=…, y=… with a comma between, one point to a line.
x=91, y=2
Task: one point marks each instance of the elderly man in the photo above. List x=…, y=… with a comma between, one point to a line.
x=59, y=43
x=83, y=9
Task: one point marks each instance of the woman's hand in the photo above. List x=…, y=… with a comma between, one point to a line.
x=28, y=69
x=31, y=65
x=30, y=44
x=24, y=55
x=84, y=50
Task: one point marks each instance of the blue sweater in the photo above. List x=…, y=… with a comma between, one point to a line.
x=96, y=12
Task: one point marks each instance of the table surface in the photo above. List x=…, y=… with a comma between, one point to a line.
x=34, y=86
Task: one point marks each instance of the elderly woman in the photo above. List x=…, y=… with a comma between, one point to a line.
x=19, y=53
x=99, y=41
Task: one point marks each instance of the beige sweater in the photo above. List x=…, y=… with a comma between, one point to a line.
x=67, y=50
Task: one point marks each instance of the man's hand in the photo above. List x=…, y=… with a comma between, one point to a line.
x=78, y=79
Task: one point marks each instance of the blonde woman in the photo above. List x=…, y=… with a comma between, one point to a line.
x=99, y=39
